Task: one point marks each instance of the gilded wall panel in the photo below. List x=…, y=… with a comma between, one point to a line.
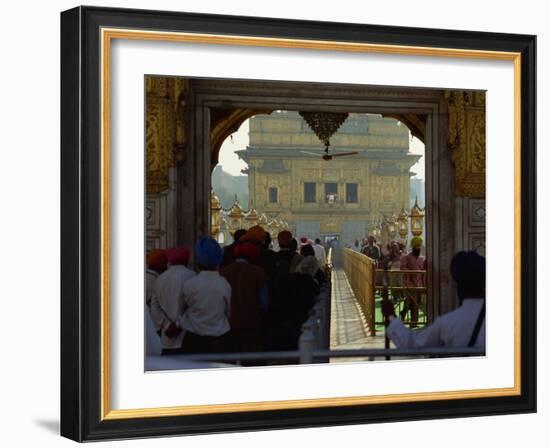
x=159, y=140
x=466, y=139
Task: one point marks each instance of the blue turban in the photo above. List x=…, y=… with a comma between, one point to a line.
x=208, y=252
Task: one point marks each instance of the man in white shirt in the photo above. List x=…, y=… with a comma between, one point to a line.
x=206, y=303
x=167, y=299
x=320, y=254
x=156, y=265
x=461, y=328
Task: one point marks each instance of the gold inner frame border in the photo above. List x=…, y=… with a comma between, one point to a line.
x=107, y=35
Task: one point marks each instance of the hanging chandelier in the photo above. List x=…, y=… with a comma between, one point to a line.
x=324, y=124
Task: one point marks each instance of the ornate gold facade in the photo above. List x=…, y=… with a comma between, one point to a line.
x=466, y=139
x=367, y=185
x=165, y=134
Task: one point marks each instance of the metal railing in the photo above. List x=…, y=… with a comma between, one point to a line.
x=315, y=332
x=400, y=286
x=330, y=263
x=360, y=271
x=307, y=355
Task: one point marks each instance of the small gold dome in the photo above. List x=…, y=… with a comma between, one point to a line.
x=236, y=210
x=252, y=215
x=215, y=202
x=416, y=211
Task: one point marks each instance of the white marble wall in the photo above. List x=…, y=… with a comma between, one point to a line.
x=160, y=222
x=470, y=224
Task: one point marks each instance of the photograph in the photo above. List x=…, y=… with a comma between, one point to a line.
x=319, y=248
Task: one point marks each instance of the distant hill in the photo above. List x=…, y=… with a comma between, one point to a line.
x=226, y=186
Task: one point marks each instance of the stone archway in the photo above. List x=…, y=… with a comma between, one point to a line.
x=216, y=108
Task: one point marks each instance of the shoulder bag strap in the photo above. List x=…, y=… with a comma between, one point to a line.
x=477, y=327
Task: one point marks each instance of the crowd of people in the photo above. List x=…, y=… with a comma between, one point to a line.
x=462, y=327
x=242, y=298
x=247, y=297
x=393, y=260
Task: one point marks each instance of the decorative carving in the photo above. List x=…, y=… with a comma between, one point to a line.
x=476, y=141
x=181, y=91
x=165, y=129
x=477, y=243
x=466, y=140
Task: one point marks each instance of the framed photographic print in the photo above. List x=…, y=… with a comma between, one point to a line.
x=274, y=223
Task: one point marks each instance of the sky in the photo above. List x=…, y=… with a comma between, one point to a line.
x=239, y=140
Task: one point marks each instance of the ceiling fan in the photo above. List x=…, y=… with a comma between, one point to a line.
x=330, y=155
x=325, y=125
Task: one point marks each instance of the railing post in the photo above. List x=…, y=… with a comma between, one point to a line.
x=372, y=292
x=305, y=346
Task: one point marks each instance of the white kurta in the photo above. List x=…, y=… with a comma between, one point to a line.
x=167, y=301
x=152, y=341
x=150, y=279
x=206, y=304
x=453, y=329
x=320, y=254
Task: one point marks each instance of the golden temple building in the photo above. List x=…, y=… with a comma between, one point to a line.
x=344, y=197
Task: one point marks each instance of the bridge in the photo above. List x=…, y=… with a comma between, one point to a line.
x=345, y=324
x=358, y=287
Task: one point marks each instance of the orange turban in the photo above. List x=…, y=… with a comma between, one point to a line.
x=284, y=237
x=247, y=250
x=157, y=259
x=255, y=233
x=178, y=255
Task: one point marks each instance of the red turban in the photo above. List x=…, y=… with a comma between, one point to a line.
x=157, y=259
x=303, y=239
x=284, y=238
x=247, y=250
x=178, y=255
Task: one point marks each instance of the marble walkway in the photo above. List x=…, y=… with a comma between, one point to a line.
x=348, y=329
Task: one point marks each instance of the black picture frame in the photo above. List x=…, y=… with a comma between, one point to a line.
x=81, y=223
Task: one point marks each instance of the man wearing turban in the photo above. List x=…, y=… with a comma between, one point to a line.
x=371, y=249
x=156, y=265
x=255, y=234
x=167, y=298
x=228, y=256
x=461, y=328
x=284, y=237
x=249, y=298
x=206, y=303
